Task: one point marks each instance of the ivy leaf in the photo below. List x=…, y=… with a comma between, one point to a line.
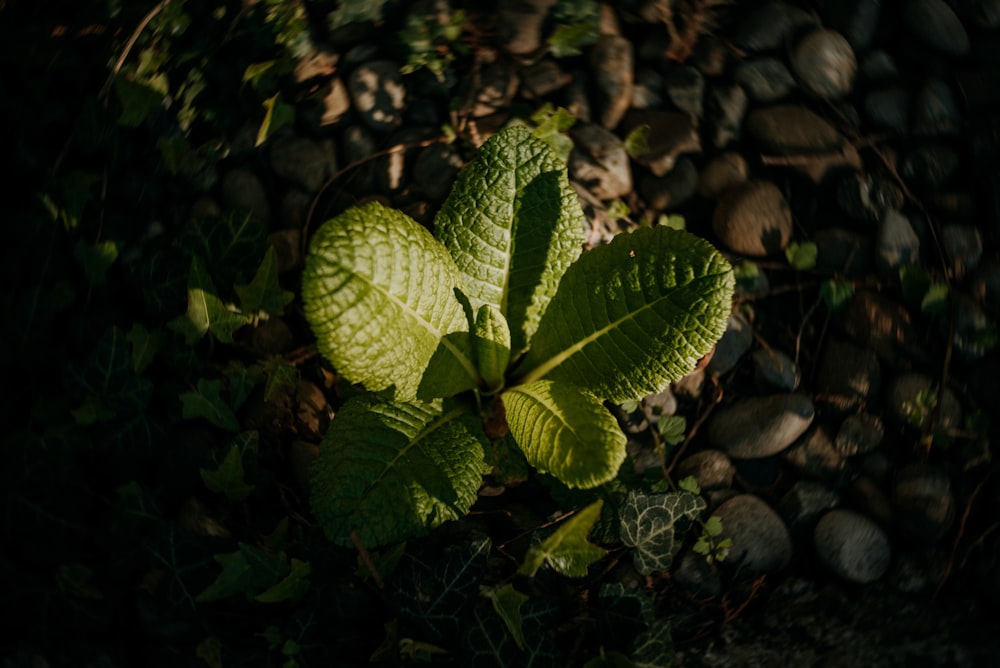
x=205, y=311
x=565, y=431
x=513, y=224
x=144, y=344
x=622, y=614
x=137, y=100
x=245, y=571
x=654, y=648
x=228, y=479
x=567, y=550
x=207, y=402
x=390, y=470
x=282, y=377
x=489, y=643
x=633, y=315
x=435, y=594
x=655, y=525
x=935, y=302
x=384, y=312
x=263, y=293
x=277, y=114
x=96, y=259
x=231, y=245
x=507, y=603
x=105, y=384
x=291, y=588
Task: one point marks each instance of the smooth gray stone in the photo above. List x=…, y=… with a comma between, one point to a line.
x=859, y=434
x=898, y=243
x=599, y=161
x=825, y=64
x=935, y=24
x=753, y=219
x=761, y=542
x=924, y=504
x=791, y=129
x=804, y=502
x=378, y=95
x=712, y=469
x=735, y=342
x=764, y=79
x=852, y=546
x=775, y=369
x=758, y=427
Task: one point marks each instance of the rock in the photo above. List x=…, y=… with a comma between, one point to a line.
x=661, y=403
x=969, y=327
x=492, y=90
x=302, y=161
x=986, y=287
x=983, y=13
x=758, y=427
x=685, y=87
x=935, y=110
x=335, y=103
x=576, y=99
x=859, y=434
x=852, y=546
x=646, y=89
x=849, y=376
x=935, y=24
x=726, y=105
x=666, y=192
x=700, y=578
x=867, y=496
x=856, y=20
x=791, y=129
x=770, y=26
x=866, y=197
x=889, y=107
x=271, y=337
x=735, y=342
x=877, y=322
x=670, y=134
x=804, y=502
x=543, y=78
x=721, y=173
x=773, y=368
x=712, y=469
x=764, y=79
x=923, y=502
x=963, y=245
x=242, y=191
x=898, y=243
x=612, y=62
x=357, y=144
x=843, y=251
x=435, y=169
x=312, y=410
x=930, y=166
x=753, y=219
x=301, y=457
x=761, y=543
x=288, y=246
x=599, y=161
x=815, y=456
x=519, y=25
x=911, y=397
x=879, y=65
x=378, y=94
x=824, y=63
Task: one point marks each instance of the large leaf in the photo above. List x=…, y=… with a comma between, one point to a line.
x=390, y=470
x=379, y=293
x=513, y=225
x=634, y=315
x=565, y=431
x=655, y=525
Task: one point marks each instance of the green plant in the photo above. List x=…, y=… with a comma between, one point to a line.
x=494, y=328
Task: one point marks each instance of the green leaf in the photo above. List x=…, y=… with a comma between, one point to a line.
x=390, y=471
x=713, y=526
x=655, y=525
x=207, y=402
x=801, y=256
x=568, y=40
x=264, y=293
x=435, y=592
x=935, y=302
x=379, y=293
x=915, y=282
x=230, y=245
x=689, y=484
x=836, y=293
x=550, y=126
x=137, y=100
x=654, y=648
x=622, y=614
x=489, y=643
x=507, y=602
x=491, y=339
x=633, y=315
x=355, y=11
x=637, y=141
x=281, y=378
x=105, y=382
x=277, y=114
x=206, y=312
x=228, y=477
x=144, y=344
x=96, y=259
x=513, y=224
x=565, y=431
x=567, y=550
x=291, y=588
x=672, y=428
x=245, y=571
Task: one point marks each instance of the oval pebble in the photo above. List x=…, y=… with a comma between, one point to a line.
x=753, y=219
x=934, y=23
x=791, y=129
x=761, y=542
x=759, y=427
x=852, y=546
x=825, y=64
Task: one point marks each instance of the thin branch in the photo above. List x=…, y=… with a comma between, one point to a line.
x=129, y=45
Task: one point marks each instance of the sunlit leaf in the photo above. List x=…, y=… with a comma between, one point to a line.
x=567, y=550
